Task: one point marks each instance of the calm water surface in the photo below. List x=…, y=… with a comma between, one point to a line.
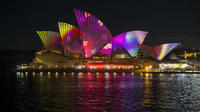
x=99, y=92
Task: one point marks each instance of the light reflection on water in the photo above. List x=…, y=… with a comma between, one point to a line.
x=126, y=92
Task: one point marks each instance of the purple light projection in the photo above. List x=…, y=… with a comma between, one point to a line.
x=94, y=33
x=139, y=35
x=107, y=49
x=129, y=41
x=117, y=48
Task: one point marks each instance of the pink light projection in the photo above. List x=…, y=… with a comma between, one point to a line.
x=139, y=35
x=94, y=33
x=129, y=41
x=107, y=49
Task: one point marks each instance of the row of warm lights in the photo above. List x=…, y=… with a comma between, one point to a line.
x=173, y=66
x=64, y=73
x=90, y=66
x=110, y=66
x=22, y=66
x=107, y=75
x=40, y=66
x=49, y=66
x=25, y=74
x=80, y=75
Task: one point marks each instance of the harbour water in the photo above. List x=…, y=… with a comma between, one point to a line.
x=99, y=92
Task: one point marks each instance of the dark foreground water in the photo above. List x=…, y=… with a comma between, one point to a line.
x=107, y=92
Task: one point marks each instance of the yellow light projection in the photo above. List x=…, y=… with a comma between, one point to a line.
x=64, y=28
x=49, y=39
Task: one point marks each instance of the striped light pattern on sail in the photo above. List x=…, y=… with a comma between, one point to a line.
x=94, y=33
x=51, y=40
x=140, y=35
x=71, y=38
x=129, y=41
x=164, y=49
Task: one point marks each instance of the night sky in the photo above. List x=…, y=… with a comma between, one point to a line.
x=165, y=20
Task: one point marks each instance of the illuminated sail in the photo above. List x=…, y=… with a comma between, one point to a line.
x=140, y=35
x=107, y=49
x=94, y=33
x=117, y=48
x=93, y=36
x=164, y=49
x=51, y=40
x=129, y=41
x=71, y=38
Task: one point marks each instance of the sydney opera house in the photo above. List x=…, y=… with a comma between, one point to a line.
x=92, y=45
